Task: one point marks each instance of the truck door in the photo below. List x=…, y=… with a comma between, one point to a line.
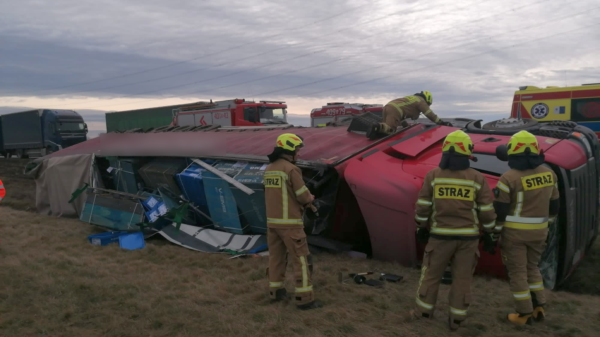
x=222, y=117
x=586, y=112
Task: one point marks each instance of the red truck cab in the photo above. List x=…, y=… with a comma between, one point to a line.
x=236, y=112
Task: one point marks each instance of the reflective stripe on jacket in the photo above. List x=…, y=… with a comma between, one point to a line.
x=285, y=194
x=528, y=193
x=455, y=203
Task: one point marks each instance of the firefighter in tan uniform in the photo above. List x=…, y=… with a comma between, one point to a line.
x=396, y=111
x=454, y=204
x=286, y=196
x=526, y=200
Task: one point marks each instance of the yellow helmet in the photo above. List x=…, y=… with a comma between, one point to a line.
x=428, y=97
x=460, y=141
x=521, y=141
x=289, y=142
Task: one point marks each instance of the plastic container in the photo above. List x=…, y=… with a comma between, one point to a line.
x=132, y=241
x=104, y=239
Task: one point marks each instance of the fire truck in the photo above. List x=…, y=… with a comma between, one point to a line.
x=337, y=111
x=231, y=113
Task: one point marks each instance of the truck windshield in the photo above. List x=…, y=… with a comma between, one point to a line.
x=69, y=127
x=273, y=115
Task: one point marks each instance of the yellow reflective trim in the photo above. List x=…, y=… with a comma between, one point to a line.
x=490, y=225
x=304, y=272
x=424, y=305
x=503, y=187
x=284, y=200
x=463, y=182
x=536, y=286
x=421, y=219
x=458, y=311
x=285, y=221
x=521, y=296
x=485, y=208
x=519, y=204
x=275, y=284
x=304, y=289
x=526, y=226
x=301, y=190
x=424, y=202
x=455, y=231
x=276, y=173
x=498, y=228
x=427, y=112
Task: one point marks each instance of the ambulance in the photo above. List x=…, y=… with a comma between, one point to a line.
x=580, y=104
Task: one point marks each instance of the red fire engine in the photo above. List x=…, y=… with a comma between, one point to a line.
x=236, y=112
x=334, y=111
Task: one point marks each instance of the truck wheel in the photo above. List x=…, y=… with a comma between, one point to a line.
x=510, y=124
x=21, y=154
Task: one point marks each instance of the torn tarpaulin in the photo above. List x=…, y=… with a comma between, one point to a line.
x=211, y=241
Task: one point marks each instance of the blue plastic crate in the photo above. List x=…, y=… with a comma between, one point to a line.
x=252, y=206
x=132, y=241
x=104, y=239
x=192, y=186
x=221, y=202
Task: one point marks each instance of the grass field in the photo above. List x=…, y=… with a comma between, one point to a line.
x=54, y=283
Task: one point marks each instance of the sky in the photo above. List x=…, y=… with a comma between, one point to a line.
x=99, y=56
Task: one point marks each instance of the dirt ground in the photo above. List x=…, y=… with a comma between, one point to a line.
x=55, y=283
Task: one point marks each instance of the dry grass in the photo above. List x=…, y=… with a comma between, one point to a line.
x=54, y=283
x=20, y=189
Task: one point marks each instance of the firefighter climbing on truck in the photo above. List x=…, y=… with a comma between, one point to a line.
x=286, y=196
x=454, y=203
x=396, y=111
x=527, y=198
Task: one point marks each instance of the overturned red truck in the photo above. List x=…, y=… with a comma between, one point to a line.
x=366, y=189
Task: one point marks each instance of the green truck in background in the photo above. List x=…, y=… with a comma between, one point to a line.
x=120, y=121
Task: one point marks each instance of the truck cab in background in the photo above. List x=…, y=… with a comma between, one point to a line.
x=232, y=113
x=339, y=111
x=36, y=133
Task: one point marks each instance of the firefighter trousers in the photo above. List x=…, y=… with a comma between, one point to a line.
x=292, y=241
x=392, y=119
x=464, y=255
x=522, y=258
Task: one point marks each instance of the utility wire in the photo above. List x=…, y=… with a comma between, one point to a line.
x=356, y=72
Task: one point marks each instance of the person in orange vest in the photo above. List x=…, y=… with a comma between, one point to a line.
x=286, y=197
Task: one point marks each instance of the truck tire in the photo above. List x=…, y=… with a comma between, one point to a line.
x=21, y=154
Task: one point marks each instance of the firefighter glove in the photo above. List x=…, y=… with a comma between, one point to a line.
x=422, y=235
x=489, y=243
x=441, y=122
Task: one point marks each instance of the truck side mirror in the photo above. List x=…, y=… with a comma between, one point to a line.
x=502, y=152
x=85, y=127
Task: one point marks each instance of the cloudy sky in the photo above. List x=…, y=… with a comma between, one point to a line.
x=97, y=56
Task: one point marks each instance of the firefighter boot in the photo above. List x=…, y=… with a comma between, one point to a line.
x=414, y=315
x=373, y=131
x=455, y=324
x=538, y=309
x=311, y=305
x=520, y=319
x=280, y=295
x=538, y=314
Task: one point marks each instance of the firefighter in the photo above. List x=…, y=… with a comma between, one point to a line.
x=286, y=197
x=396, y=111
x=526, y=200
x=454, y=204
